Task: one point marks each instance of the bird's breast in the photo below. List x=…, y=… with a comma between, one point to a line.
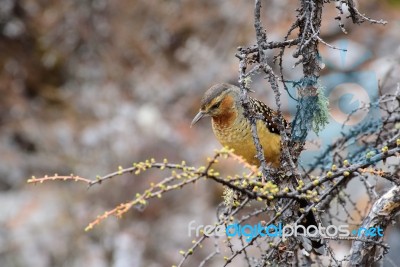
x=237, y=135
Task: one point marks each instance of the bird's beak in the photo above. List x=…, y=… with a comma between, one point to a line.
x=198, y=117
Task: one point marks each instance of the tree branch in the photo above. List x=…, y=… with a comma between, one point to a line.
x=383, y=211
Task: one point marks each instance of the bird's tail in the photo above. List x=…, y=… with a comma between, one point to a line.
x=316, y=245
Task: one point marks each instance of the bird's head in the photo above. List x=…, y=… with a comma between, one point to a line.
x=218, y=100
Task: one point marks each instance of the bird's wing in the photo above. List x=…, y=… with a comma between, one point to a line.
x=268, y=115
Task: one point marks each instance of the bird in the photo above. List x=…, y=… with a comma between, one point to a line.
x=232, y=128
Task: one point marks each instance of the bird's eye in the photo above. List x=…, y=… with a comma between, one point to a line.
x=216, y=105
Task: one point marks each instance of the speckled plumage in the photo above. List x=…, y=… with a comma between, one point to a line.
x=233, y=129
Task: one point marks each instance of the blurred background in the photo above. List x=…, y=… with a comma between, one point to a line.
x=89, y=85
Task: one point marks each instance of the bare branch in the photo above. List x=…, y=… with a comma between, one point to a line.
x=382, y=213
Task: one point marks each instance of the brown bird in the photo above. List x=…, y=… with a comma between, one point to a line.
x=231, y=127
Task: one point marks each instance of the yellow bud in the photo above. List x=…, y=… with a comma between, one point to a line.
x=369, y=154
x=286, y=189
